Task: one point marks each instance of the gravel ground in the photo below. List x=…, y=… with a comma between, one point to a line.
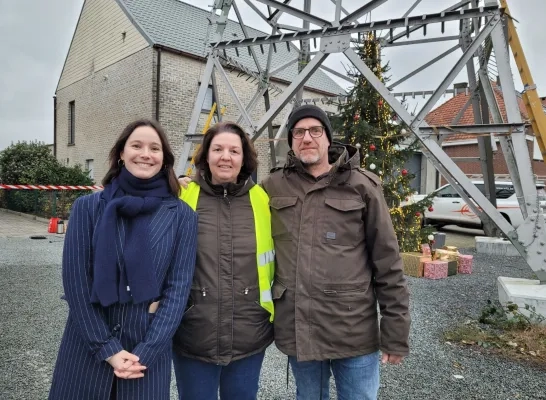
x=33, y=318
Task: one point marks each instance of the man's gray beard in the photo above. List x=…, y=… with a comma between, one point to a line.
x=310, y=163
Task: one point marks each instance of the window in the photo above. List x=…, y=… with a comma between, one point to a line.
x=89, y=169
x=209, y=100
x=72, y=122
x=447, y=191
x=504, y=191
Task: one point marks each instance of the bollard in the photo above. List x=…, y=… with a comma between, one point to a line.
x=53, y=223
x=439, y=240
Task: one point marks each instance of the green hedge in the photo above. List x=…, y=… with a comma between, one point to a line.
x=31, y=163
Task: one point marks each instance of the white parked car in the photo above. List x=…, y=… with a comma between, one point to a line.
x=449, y=208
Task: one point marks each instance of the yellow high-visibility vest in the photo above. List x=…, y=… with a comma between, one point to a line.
x=265, y=250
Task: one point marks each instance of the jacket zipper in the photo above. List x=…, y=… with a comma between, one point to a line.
x=220, y=291
x=232, y=291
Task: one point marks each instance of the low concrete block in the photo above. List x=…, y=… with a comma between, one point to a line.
x=496, y=246
x=521, y=292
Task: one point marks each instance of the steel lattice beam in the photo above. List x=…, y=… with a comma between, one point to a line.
x=365, y=9
x=407, y=22
x=417, y=27
x=476, y=24
x=472, y=129
x=296, y=13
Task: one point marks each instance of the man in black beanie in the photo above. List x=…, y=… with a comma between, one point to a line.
x=337, y=259
x=310, y=136
x=309, y=111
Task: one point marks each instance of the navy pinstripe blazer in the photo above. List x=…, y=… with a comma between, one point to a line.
x=94, y=333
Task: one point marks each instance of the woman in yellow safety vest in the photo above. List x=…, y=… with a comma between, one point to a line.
x=227, y=324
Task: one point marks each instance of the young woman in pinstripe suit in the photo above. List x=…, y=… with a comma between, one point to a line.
x=128, y=264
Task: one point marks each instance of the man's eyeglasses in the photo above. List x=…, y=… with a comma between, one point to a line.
x=314, y=131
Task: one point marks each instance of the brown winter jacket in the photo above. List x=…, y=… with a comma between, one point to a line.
x=224, y=321
x=337, y=258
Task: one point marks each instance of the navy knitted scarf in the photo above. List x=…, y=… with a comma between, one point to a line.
x=134, y=199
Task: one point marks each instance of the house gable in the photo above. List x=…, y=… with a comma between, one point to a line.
x=104, y=35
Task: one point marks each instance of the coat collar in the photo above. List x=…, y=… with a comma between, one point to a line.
x=240, y=188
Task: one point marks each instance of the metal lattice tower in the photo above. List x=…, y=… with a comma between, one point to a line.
x=483, y=43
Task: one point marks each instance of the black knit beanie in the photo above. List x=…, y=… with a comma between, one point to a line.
x=308, y=111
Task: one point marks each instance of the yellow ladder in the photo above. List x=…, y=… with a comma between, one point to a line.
x=530, y=95
x=207, y=125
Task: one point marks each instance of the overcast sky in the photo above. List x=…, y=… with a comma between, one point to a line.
x=36, y=36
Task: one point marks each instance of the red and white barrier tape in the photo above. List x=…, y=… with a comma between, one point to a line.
x=50, y=187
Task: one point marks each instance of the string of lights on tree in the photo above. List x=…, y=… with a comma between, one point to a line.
x=366, y=121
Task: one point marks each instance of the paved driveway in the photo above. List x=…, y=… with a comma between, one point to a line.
x=14, y=225
x=461, y=237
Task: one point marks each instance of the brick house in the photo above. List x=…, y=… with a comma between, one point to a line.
x=460, y=145
x=131, y=59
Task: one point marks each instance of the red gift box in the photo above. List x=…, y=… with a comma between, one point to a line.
x=465, y=264
x=435, y=269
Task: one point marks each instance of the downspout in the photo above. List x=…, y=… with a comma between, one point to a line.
x=55, y=126
x=157, y=83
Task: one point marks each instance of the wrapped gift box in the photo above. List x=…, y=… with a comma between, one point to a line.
x=435, y=269
x=465, y=264
x=414, y=263
x=425, y=249
x=446, y=255
x=452, y=267
x=450, y=248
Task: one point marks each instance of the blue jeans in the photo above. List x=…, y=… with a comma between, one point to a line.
x=200, y=380
x=355, y=377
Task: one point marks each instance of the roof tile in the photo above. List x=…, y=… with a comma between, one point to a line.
x=184, y=27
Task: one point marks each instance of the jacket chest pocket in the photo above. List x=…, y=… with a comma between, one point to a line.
x=342, y=222
x=283, y=212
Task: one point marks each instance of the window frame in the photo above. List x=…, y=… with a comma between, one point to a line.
x=72, y=123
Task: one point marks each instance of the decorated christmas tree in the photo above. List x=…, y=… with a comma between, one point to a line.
x=366, y=121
